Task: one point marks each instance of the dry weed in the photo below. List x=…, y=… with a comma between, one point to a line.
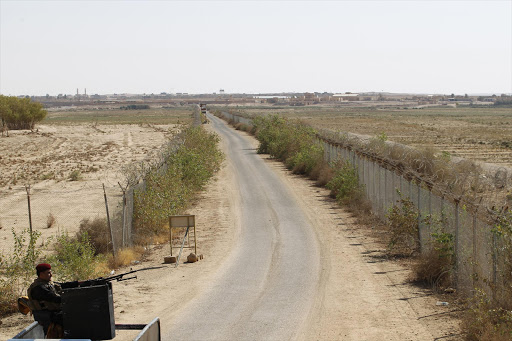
x=361, y=209
x=125, y=257
x=432, y=269
x=484, y=320
x=322, y=173
x=148, y=237
x=50, y=220
x=98, y=233
x=75, y=175
x=8, y=296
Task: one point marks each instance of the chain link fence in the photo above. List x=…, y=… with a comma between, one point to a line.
x=53, y=211
x=474, y=242
x=65, y=206
x=468, y=220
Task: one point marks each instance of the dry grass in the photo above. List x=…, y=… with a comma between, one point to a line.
x=150, y=236
x=75, y=175
x=164, y=115
x=476, y=133
x=486, y=321
x=242, y=127
x=322, y=173
x=98, y=232
x=125, y=257
x=8, y=297
x=433, y=270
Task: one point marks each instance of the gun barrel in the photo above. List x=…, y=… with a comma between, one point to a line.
x=125, y=279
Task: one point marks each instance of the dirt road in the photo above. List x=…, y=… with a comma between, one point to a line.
x=298, y=271
x=267, y=287
x=281, y=261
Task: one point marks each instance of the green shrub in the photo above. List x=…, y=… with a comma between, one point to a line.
x=490, y=318
x=502, y=231
x=295, y=143
x=17, y=269
x=190, y=160
x=403, y=224
x=306, y=158
x=75, y=258
x=434, y=265
x=75, y=175
x=344, y=184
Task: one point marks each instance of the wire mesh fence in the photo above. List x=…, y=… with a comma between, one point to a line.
x=63, y=207
x=60, y=209
x=475, y=253
x=463, y=203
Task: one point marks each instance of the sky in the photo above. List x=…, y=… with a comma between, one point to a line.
x=433, y=47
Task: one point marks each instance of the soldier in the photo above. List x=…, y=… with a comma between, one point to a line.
x=44, y=299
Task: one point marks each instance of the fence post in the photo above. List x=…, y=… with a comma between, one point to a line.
x=419, y=215
x=494, y=265
x=123, y=215
x=456, y=244
x=475, y=269
x=27, y=188
x=108, y=222
x=386, y=189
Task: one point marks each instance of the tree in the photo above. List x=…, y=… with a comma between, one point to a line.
x=5, y=111
x=20, y=113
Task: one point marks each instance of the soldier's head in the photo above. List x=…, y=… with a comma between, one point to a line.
x=44, y=271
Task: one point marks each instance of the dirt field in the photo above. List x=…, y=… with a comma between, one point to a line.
x=480, y=134
x=64, y=148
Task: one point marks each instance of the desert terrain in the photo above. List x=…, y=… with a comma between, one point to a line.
x=66, y=162
x=348, y=251
x=479, y=134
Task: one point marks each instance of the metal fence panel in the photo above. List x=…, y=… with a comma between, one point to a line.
x=466, y=250
x=484, y=254
x=476, y=260
x=424, y=211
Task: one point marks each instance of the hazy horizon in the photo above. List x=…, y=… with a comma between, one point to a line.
x=200, y=47
x=264, y=93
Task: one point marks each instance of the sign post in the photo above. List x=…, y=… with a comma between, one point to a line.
x=183, y=221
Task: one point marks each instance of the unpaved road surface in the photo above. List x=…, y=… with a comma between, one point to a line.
x=267, y=288
x=293, y=274
x=281, y=261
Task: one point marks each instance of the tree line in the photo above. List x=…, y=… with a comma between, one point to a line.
x=20, y=113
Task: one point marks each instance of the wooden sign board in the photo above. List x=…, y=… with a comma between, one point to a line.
x=182, y=221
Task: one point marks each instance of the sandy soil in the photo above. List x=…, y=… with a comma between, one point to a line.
x=46, y=158
x=479, y=134
x=341, y=308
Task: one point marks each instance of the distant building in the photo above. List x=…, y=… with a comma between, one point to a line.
x=345, y=97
